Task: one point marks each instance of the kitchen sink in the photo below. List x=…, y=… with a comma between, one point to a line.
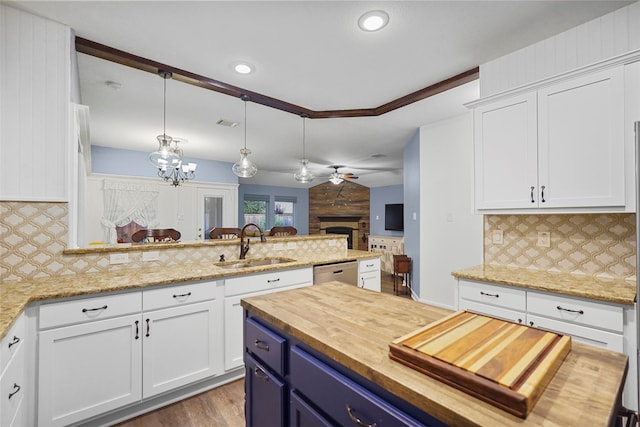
x=257, y=262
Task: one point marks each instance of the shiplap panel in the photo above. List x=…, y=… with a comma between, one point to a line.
x=602, y=38
x=34, y=107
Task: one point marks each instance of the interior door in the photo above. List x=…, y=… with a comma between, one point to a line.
x=216, y=207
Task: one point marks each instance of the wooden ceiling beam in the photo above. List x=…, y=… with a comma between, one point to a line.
x=130, y=60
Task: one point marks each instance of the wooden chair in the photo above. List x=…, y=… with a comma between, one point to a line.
x=401, y=273
x=156, y=235
x=283, y=231
x=224, y=233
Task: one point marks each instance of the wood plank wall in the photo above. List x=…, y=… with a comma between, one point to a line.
x=345, y=199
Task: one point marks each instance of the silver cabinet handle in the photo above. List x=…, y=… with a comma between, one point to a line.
x=260, y=374
x=261, y=345
x=357, y=421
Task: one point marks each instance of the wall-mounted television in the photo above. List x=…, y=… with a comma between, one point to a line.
x=394, y=217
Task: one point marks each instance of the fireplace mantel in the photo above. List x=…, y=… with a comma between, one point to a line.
x=339, y=218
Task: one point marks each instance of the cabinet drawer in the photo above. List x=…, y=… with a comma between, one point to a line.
x=89, y=309
x=588, y=313
x=339, y=397
x=499, y=312
x=500, y=296
x=266, y=345
x=174, y=296
x=269, y=280
x=582, y=334
x=12, y=389
x=372, y=264
x=12, y=341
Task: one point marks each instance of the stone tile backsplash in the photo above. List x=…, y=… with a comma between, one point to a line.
x=601, y=245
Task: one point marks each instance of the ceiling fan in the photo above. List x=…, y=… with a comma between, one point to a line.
x=337, y=177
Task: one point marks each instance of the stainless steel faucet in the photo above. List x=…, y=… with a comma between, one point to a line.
x=245, y=248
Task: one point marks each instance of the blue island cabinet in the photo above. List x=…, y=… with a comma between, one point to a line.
x=288, y=383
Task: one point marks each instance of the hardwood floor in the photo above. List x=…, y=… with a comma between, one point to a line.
x=220, y=407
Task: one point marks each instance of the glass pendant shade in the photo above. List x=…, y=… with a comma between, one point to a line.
x=165, y=157
x=244, y=168
x=303, y=175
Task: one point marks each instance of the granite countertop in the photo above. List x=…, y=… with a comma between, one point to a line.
x=15, y=296
x=609, y=290
x=355, y=326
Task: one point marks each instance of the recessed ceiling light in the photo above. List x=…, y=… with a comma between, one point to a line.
x=374, y=20
x=243, y=68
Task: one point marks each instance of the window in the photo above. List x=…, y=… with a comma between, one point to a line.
x=255, y=210
x=284, y=211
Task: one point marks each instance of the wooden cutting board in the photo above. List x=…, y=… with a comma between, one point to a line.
x=503, y=363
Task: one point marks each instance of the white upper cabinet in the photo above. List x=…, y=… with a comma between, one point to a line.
x=35, y=153
x=581, y=141
x=560, y=148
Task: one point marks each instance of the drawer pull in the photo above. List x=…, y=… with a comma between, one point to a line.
x=356, y=420
x=104, y=307
x=369, y=265
x=274, y=280
x=260, y=374
x=569, y=310
x=147, y=328
x=188, y=294
x=16, y=388
x=489, y=295
x=137, y=330
x=337, y=272
x=14, y=341
x=261, y=345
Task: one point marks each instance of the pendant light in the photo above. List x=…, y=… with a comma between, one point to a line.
x=165, y=158
x=244, y=168
x=303, y=175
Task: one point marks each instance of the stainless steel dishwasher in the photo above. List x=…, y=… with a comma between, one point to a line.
x=346, y=272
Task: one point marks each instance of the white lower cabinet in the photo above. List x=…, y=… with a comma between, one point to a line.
x=240, y=287
x=102, y=353
x=587, y=321
x=13, y=384
x=369, y=274
x=88, y=369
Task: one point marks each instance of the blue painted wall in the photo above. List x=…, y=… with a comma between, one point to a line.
x=380, y=196
x=301, y=215
x=115, y=161
x=412, y=206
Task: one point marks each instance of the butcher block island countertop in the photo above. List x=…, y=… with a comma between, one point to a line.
x=354, y=327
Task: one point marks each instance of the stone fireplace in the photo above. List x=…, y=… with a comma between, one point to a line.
x=341, y=225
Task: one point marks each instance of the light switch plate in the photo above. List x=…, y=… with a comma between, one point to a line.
x=497, y=237
x=544, y=239
x=122, y=258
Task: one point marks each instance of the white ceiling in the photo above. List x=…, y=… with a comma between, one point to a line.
x=309, y=53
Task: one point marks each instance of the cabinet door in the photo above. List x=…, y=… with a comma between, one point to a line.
x=505, y=153
x=233, y=327
x=265, y=395
x=581, y=141
x=88, y=369
x=371, y=281
x=180, y=346
x=303, y=415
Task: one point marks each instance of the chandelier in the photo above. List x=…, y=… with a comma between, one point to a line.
x=168, y=157
x=303, y=175
x=336, y=177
